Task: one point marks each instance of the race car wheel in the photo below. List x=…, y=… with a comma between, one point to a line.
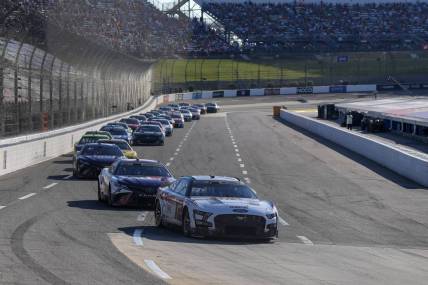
x=186, y=224
x=109, y=200
x=100, y=198
x=158, y=215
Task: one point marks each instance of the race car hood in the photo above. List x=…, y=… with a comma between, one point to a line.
x=152, y=181
x=101, y=160
x=232, y=205
x=121, y=137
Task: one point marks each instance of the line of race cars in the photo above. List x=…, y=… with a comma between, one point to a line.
x=201, y=206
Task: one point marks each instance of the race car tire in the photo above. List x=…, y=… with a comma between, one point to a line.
x=109, y=200
x=186, y=224
x=100, y=198
x=158, y=215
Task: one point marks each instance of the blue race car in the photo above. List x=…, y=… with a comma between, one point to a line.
x=93, y=158
x=132, y=182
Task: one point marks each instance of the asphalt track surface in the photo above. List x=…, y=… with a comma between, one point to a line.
x=345, y=220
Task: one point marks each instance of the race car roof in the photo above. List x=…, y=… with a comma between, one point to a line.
x=214, y=178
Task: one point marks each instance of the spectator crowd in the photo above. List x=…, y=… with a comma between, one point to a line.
x=137, y=27
x=297, y=26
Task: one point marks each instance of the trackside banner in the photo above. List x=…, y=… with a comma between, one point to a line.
x=305, y=90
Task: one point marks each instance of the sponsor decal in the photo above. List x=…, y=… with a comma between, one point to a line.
x=218, y=94
x=338, y=89
x=179, y=97
x=305, y=90
x=387, y=87
x=415, y=86
x=196, y=95
x=243, y=92
x=342, y=58
x=272, y=91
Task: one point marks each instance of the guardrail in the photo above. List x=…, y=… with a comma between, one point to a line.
x=405, y=164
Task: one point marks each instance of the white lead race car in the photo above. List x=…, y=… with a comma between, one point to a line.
x=216, y=206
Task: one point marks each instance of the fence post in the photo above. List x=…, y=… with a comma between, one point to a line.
x=30, y=95
x=172, y=72
x=16, y=91
x=68, y=95
x=60, y=117
x=41, y=89
x=51, y=112
x=2, y=109
x=218, y=73
x=185, y=71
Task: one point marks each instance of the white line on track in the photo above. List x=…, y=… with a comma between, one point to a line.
x=50, y=185
x=242, y=165
x=168, y=164
x=68, y=176
x=27, y=196
x=237, y=150
x=247, y=180
x=156, y=270
x=2, y=207
x=305, y=240
x=177, y=150
x=171, y=159
x=235, y=145
x=282, y=221
x=239, y=159
x=244, y=172
x=137, y=237
x=237, y=154
x=175, y=153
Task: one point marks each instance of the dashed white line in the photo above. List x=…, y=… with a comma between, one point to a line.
x=168, y=164
x=244, y=172
x=237, y=154
x=50, y=185
x=237, y=150
x=137, y=237
x=177, y=150
x=235, y=145
x=282, y=221
x=247, y=180
x=27, y=196
x=305, y=240
x=171, y=159
x=242, y=165
x=156, y=270
x=175, y=153
x=2, y=207
x=239, y=159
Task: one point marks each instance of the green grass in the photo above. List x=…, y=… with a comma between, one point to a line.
x=361, y=67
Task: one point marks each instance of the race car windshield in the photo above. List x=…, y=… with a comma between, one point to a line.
x=136, y=169
x=149, y=129
x=122, y=145
x=118, y=132
x=130, y=121
x=109, y=150
x=225, y=190
x=90, y=139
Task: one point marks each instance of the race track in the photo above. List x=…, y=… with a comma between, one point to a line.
x=344, y=220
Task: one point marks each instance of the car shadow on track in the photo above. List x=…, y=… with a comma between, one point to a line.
x=174, y=235
x=375, y=167
x=99, y=206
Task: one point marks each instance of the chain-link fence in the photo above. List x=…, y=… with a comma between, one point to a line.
x=289, y=70
x=74, y=81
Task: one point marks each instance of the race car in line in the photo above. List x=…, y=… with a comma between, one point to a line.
x=148, y=134
x=215, y=206
x=93, y=158
x=212, y=107
x=132, y=182
x=124, y=146
x=89, y=137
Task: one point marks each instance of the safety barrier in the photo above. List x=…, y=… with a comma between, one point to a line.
x=405, y=164
x=20, y=152
x=275, y=91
